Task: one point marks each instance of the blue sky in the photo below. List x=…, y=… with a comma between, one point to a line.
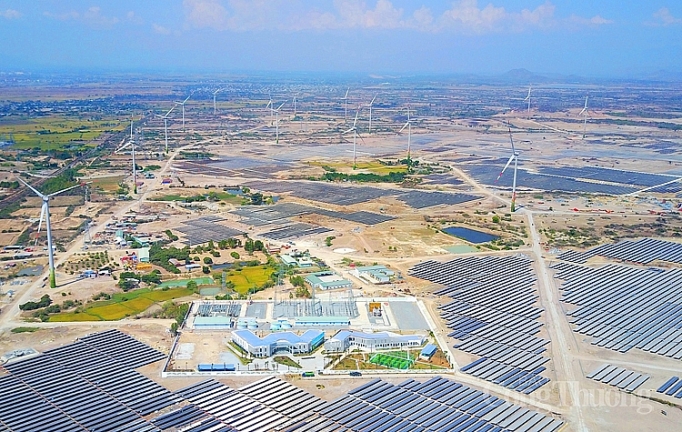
x=590, y=38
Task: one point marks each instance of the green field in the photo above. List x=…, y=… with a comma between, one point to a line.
x=122, y=305
x=375, y=167
x=183, y=282
x=219, y=196
x=249, y=277
x=394, y=360
x=57, y=132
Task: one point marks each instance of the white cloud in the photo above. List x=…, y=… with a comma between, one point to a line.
x=464, y=16
x=10, y=14
x=134, y=18
x=596, y=20
x=92, y=17
x=160, y=29
x=663, y=17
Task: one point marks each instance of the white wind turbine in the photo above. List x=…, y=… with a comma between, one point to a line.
x=165, y=124
x=269, y=105
x=584, y=113
x=528, y=99
x=408, y=125
x=183, y=110
x=132, y=144
x=214, y=104
x=276, y=111
x=45, y=211
x=354, y=129
x=370, y=113
x=515, y=157
x=345, y=104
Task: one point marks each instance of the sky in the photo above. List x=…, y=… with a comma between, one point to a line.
x=605, y=38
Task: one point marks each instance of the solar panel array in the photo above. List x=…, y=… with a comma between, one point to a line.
x=434, y=405
x=622, y=378
x=487, y=174
x=502, y=333
x=671, y=387
x=268, y=404
x=608, y=175
x=643, y=251
x=281, y=213
x=87, y=385
x=624, y=307
x=325, y=192
x=294, y=231
x=199, y=231
x=421, y=199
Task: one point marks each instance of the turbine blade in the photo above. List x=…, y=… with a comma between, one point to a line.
x=404, y=126
x=347, y=90
x=505, y=168
x=31, y=187
x=583, y=110
x=511, y=139
x=375, y=96
x=349, y=130
x=281, y=106
x=356, y=117
x=169, y=111
x=42, y=217
x=64, y=190
x=187, y=98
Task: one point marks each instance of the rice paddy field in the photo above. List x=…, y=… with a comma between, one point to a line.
x=122, y=305
x=56, y=132
x=249, y=277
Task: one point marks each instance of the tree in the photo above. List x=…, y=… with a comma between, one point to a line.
x=192, y=285
x=257, y=198
x=206, y=270
x=258, y=245
x=208, y=260
x=234, y=255
x=496, y=219
x=174, y=328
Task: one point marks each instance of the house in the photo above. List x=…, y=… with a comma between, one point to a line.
x=297, y=260
x=327, y=280
x=377, y=274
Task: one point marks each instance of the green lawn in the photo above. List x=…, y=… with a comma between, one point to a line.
x=249, y=277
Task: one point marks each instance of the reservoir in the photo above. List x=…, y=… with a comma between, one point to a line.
x=472, y=236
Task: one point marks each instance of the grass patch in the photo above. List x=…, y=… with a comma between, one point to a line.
x=57, y=132
x=183, y=282
x=25, y=329
x=122, y=305
x=73, y=317
x=286, y=361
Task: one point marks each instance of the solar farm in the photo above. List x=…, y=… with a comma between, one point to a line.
x=503, y=334
x=207, y=228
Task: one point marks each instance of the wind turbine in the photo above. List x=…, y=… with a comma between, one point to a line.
x=214, y=106
x=370, y=113
x=269, y=105
x=408, y=125
x=46, y=211
x=132, y=144
x=515, y=157
x=354, y=129
x=183, y=110
x=294, y=107
x=528, y=99
x=276, y=111
x=345, y=104
x=165, y=124
x=584, y=113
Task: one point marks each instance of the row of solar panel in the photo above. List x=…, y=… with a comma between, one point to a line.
x=624, y=307
x=618, y=377
x=525, y=380
x=643, y=251
x=672, y=387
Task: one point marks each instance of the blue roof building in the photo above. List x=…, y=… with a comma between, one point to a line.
x=281, y=342
x=428, y=351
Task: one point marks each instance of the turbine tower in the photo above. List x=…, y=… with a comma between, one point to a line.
x=584, y=113
x=214, y=105
x=370, y=113
x=345, y=104
x=165, y=124
x=183, y=110
x=354, y=129
x=408, y=125
x=528, y=99
x=515, y=157
x=269, y=105
x=132, y=146
x=276, y=111
x=46, y=211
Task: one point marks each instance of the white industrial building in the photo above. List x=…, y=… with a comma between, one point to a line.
x=345, y=339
